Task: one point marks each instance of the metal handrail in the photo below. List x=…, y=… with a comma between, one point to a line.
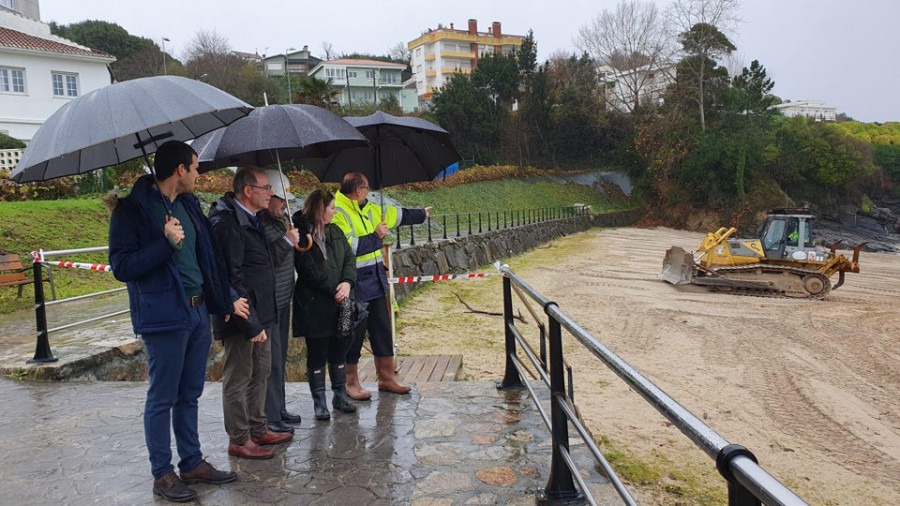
x=748, y=483
x=445, y=226
x=42, y=352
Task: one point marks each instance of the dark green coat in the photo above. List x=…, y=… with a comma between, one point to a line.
x=315, y=311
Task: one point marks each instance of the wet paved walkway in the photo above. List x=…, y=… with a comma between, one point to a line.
x=445, y=444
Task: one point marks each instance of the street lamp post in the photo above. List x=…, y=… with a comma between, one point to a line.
x=164, y=40
x=288, y=74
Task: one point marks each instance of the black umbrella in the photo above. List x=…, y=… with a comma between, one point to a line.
x=277, y=132
x=403, y=150
x=274, y=133
x=124, y=121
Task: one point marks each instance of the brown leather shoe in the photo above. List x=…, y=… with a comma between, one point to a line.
x=249, y=450
x=206, y=473
x=272, y=438
x=171, y=488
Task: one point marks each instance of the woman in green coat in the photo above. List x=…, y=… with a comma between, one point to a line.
x=325, y=277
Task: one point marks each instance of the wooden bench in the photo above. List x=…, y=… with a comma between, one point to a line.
x=12, y=273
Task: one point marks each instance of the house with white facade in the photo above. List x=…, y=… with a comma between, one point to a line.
x=815, y=109
x=360, y=80
x=39, y=72
x=626, y=89
x=296, y=63
x=438, y=54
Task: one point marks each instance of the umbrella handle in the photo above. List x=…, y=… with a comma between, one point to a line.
x=308, y=245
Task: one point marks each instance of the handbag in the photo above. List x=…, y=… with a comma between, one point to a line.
x=350, y=315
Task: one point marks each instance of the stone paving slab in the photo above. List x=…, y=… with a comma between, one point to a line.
x=454, y=443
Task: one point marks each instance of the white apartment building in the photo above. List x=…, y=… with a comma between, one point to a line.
x=39, y=72
x=641, y=86
x=438, y=54
x=815, y=109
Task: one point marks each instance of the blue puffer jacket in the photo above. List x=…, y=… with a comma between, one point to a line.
x=141, y=257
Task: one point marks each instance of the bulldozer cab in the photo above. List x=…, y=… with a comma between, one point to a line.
x=788, y=234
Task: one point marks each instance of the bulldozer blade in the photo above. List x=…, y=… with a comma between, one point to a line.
x=678, y=267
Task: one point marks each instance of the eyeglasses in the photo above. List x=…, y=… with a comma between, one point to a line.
x=266, y=188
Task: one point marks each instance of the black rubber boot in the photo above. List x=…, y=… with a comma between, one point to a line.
x=317, y=388
x=338, y=385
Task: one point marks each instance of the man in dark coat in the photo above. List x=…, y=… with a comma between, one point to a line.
x=160, y=246
x=282, y=239
x=247, y=348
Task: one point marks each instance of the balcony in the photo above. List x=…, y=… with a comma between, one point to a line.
x=430, y=73
x=457, y=54
x=429, y=57
x=450, y=70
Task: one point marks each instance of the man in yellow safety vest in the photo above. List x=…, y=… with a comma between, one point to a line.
x=365, y=228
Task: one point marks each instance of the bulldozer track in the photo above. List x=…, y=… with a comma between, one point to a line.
x=808, y=278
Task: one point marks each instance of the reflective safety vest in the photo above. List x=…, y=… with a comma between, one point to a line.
x=358, y=222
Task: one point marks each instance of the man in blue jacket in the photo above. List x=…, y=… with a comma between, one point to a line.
x=160, y=245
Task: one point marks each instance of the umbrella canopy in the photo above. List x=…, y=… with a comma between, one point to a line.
x=277, y=132
x=404, y=150
x=124, y=121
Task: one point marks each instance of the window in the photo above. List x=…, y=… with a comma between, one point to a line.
x=12, y=80
x=336, y=73
x=6, y=3
x=64, y=85
x=389, y=78
x=370, y=74
x=352, y=73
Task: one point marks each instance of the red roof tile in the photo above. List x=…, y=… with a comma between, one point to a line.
x=19, y=40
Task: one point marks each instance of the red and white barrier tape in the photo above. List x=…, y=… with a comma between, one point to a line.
x=441, y=277
x=80, y=265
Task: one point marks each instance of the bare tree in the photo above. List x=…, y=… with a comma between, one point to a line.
x=328, y=51
x=684, y=14
x=209, y=59
x=399, y=52
x=631, y=46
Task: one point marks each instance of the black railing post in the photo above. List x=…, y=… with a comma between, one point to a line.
x=504, y=220
x=445, y=226
x=738, y=495
x=457, y=225
x=489, y=220
x=511, y=378
x=429, y=228
x=42, y=351
x=479, y=222
x=469, y=219
x=412, y=236
x=399, y=240
x=560, y=484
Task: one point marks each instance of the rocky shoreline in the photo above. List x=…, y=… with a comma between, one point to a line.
x=880, y=228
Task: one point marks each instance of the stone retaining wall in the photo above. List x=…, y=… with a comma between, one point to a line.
x=472, y=253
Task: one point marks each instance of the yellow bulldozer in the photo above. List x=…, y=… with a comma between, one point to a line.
x=782, y=262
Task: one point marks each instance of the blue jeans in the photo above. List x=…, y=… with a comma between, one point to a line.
x=177, y=369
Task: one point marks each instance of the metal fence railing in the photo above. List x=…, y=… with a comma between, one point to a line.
x=448, y=226
x=42, y=352
x=748, y=483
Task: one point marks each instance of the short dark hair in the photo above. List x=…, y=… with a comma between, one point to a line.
x=169, y=156
x=243, y=178
x=352, y=181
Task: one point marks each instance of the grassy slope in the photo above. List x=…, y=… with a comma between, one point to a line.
x=82, y=223
x=55, y=225
x=503, y=195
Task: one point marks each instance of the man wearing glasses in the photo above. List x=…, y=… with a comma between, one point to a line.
x=236, y=224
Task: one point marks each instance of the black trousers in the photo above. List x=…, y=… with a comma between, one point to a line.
x=378, y=325
x=321, y=349
x=275, y=401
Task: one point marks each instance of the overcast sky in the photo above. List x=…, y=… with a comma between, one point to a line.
x=841, y=51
